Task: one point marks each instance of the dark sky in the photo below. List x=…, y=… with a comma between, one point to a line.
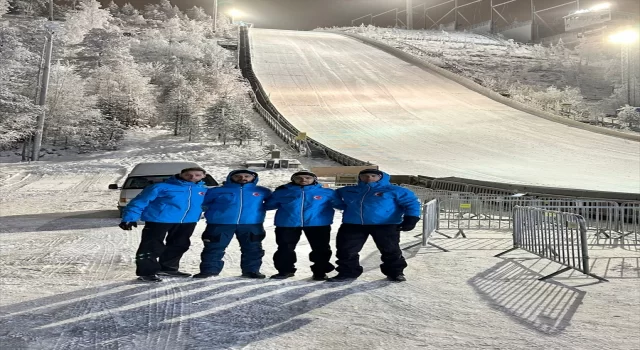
x=309, y=14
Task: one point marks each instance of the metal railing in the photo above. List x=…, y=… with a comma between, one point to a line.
x=557, y=236
x=277, y=121
x=429, y=225
x=629, y=221
x=470, y=211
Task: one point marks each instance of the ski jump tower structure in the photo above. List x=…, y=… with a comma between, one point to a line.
x=455, y=19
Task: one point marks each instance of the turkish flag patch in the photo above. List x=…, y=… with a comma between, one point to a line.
x=379, y=194
x=256, y=194
x=202, y=193
x=317, y=197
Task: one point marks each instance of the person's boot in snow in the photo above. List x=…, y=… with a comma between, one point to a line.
x=398, y=278
x=283, y=275
x=340, y=278
x=257, y=275
x=150, y=278
x=319, y=277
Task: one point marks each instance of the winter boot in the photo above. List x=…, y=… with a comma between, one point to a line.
x=150, y=278
x=283, y=275
x=398, y=278
x=341, y=278
x=319, y=277
x=257, y=275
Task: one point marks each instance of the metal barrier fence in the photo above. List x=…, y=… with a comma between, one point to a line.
x=429, y=220
x=429, y=225
x=629, y=221
x=469, y=211
x=557, y=236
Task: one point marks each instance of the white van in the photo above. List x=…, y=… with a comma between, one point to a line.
x=145, y=174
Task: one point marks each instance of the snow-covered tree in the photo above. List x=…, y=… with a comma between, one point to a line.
x=105, y=47
x=114, y=9
x=80, y=22
x=30, y=7
x=17, y=117
x=153, y=12
x=128, y=10
x=184, y=102
x=244, y=130
x=67, y=103
x=197, y=14
x=125, y=95
x=630, y=116
x=17, y=108
x=169, y=10
x=4, y=7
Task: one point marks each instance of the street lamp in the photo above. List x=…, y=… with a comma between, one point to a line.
x=599, y=7
x=234, y=13
x=625, y=39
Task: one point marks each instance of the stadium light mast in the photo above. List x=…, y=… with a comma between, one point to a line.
x=37, y=137
x=409, y=14
x=215, y=15
x=625, y=38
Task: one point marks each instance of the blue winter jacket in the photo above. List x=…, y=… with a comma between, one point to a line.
x=378, y=203
x=299, y=206
x=233, y=203
x=172, y=201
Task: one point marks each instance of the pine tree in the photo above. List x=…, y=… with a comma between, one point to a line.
x=79, y=23
x=114, y=9
x=4, y=7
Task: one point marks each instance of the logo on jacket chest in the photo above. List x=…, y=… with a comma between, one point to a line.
x=202, y=193
x=256, y=194
x=378, y=194
x=317, y=197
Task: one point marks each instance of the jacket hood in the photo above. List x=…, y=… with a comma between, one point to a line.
x=230, y=183
x=385, y=180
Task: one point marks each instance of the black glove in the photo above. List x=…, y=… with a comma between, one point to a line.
x=128, y=225
x=408, y=223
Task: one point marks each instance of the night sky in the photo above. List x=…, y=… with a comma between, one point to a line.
x=310, y=14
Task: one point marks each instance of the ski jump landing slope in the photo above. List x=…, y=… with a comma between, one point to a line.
x=375, y=107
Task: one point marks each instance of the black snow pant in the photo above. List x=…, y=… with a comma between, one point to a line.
x=152, y=247
x=287, y=238
x=350, y=240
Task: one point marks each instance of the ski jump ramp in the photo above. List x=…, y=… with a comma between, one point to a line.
x=373, y=106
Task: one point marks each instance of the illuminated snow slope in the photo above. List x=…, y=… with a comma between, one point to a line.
x=375, y=107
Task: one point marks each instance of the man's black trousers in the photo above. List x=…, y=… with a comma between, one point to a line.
x=287, y=238
x=153, y=255
x=350, y=240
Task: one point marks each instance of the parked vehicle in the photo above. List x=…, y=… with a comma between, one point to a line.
x=145, y=174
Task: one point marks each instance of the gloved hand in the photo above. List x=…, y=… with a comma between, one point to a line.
x=408, y=223
x=128, y=225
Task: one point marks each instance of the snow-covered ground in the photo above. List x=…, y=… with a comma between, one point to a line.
x=67, y=277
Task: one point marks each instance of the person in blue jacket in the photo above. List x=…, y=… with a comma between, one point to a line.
x=169, y=209
x=375, y=208
x=237, y=207
x=303, y=205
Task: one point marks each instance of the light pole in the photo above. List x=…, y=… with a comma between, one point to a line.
x=409, y=14
x=37, y=138
x=215, y=15
x=625, y=38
